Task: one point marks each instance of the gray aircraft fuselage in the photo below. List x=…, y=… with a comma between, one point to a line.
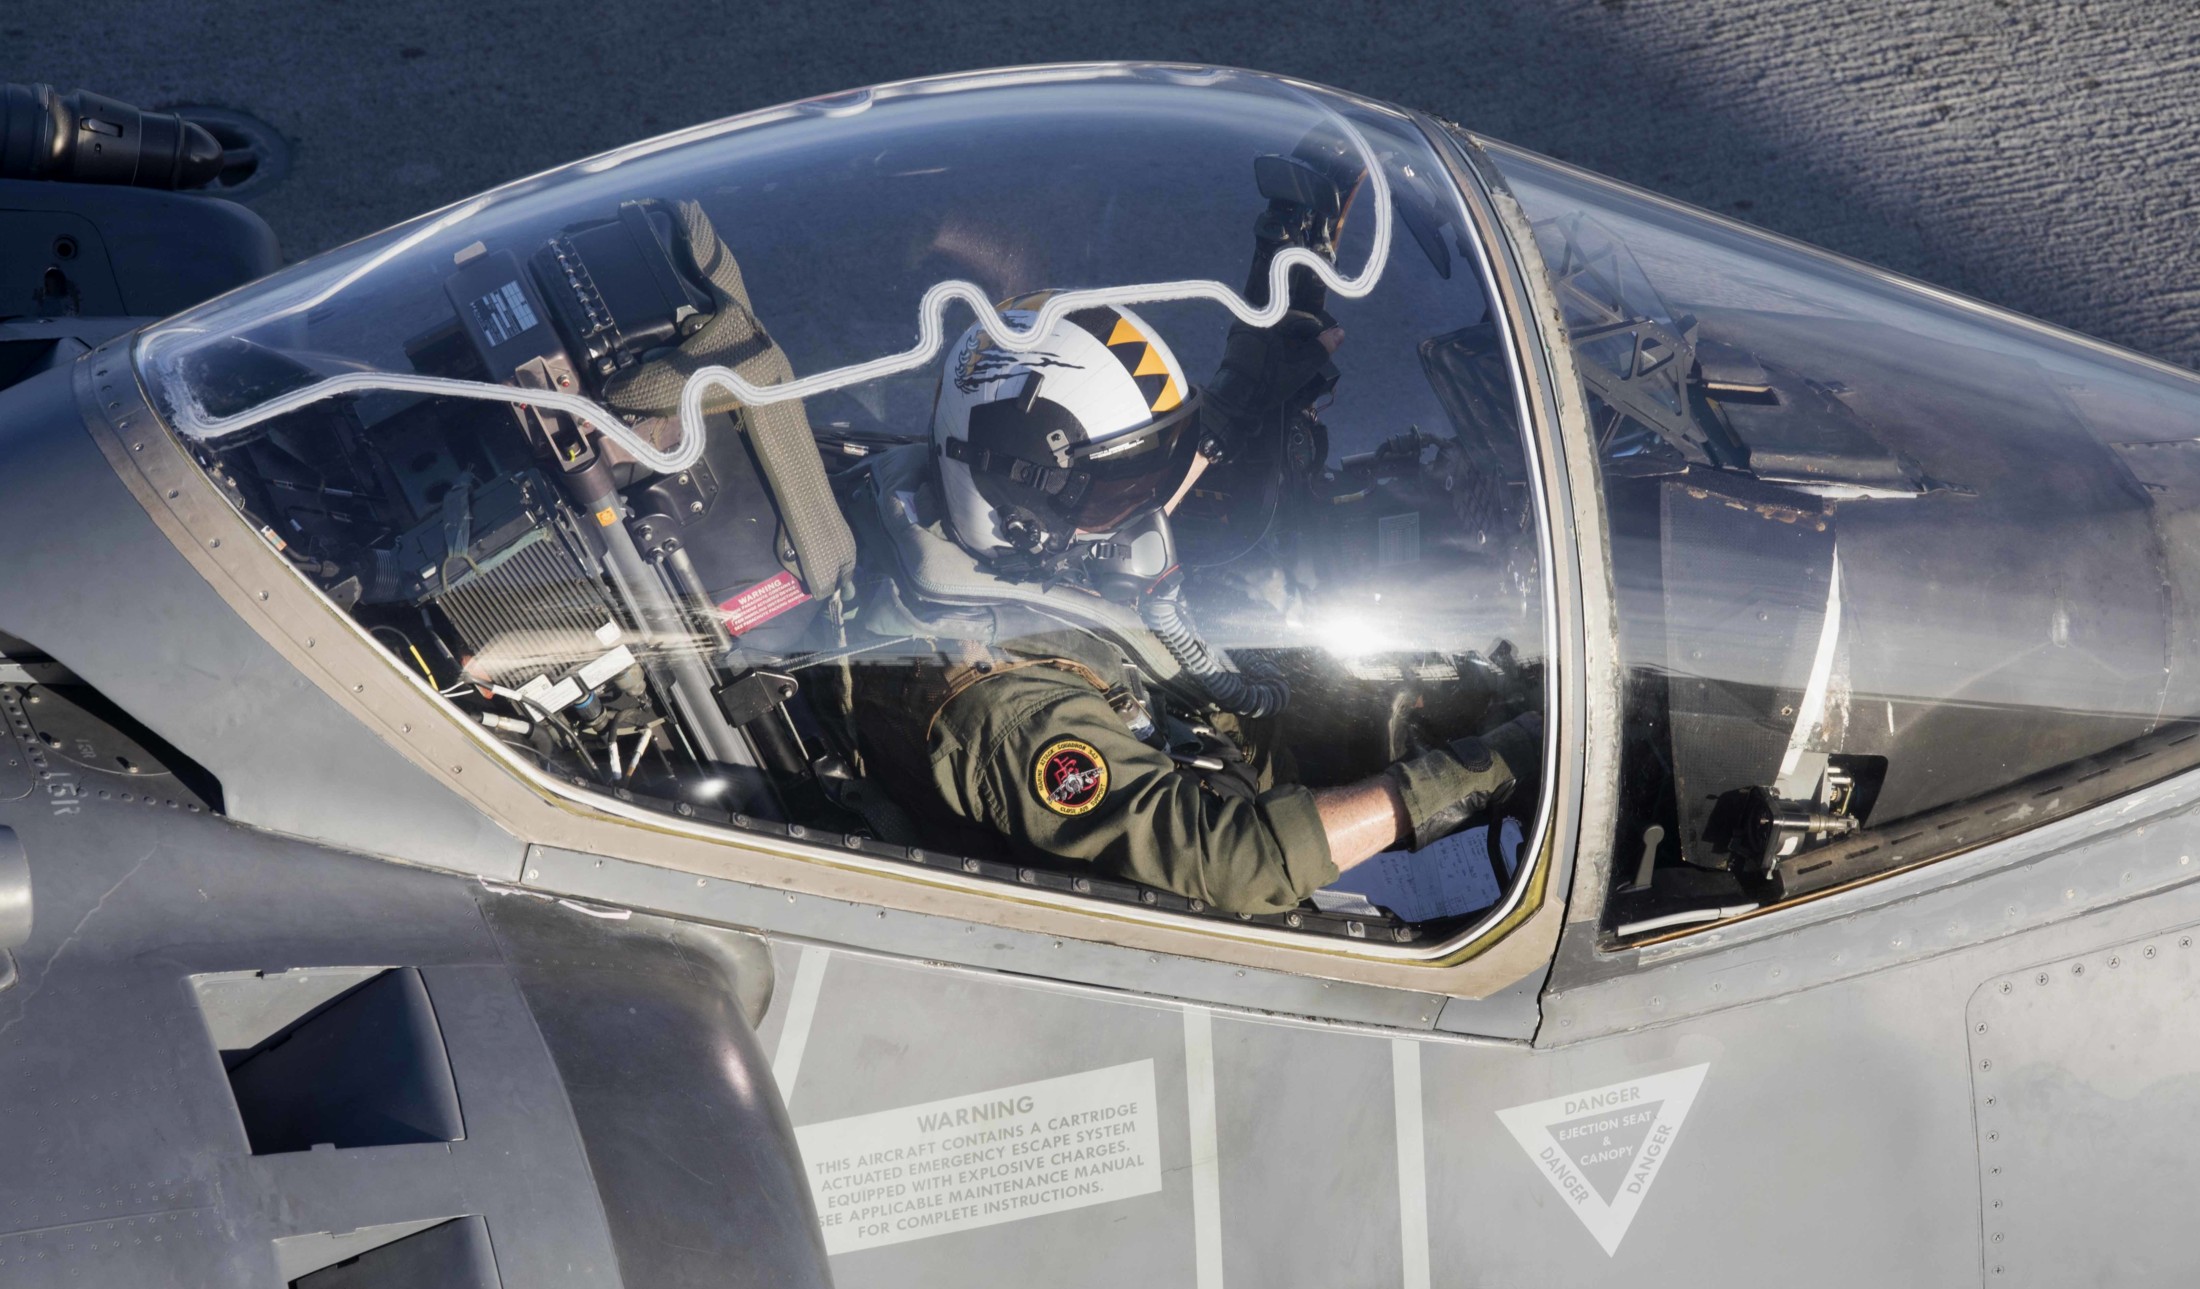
x=304, y=985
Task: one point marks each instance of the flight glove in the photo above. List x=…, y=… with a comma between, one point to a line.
x=1445, y=788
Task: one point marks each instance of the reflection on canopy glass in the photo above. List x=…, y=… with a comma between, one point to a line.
x=543, y=448
x=1896, y=576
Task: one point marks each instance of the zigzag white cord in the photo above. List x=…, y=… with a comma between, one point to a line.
x=191, y=421
x=932, y=332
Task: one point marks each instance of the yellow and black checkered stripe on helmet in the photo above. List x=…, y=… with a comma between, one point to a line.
x=1139, y=356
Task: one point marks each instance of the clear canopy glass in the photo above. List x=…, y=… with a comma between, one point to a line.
x=538, y=443
x=1898, y=574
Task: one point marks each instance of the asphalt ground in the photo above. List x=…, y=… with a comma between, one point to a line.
x=2035, y=153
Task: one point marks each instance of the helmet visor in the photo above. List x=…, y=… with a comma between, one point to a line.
x=1132, y=473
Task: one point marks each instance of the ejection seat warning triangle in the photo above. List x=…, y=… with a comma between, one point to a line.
x=1601, y=1149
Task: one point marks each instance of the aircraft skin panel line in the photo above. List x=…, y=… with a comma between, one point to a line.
x=1405, y=1083
x=809, y=977
x=1199, y=1090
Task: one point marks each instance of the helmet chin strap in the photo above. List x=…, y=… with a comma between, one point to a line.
x=1123, y=566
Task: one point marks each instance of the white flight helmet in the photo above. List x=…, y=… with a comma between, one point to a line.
x=1083, y=432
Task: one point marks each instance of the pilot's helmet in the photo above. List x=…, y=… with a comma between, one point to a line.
x=1088, y=429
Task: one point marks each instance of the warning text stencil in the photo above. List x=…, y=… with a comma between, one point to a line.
x=990, y=1157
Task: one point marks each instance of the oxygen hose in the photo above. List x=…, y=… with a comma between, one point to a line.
x=1232, y=691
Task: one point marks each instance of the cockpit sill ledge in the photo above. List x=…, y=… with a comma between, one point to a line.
x=988, y=947
x=2086, y=864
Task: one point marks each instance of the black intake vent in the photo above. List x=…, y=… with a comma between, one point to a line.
x=365, y=1068
x=454, y=1255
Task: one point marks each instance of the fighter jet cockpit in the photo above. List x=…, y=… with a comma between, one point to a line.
x=706, y=478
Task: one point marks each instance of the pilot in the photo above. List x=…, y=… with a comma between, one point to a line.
x=1053, y=471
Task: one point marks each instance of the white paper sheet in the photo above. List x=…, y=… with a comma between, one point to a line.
x=1451, y=877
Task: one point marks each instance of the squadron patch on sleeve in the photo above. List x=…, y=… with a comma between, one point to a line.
x=1070, y=776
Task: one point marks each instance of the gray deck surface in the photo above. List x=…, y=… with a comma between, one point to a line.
x=2036, y=153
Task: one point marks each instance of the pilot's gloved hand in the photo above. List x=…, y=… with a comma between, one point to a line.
x=1445, y=788
x=1262, y=367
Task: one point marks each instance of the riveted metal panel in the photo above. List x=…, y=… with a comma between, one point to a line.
x=93, y=580
x=998, y=948
x=2085, y=1074
x=15, y=733
x=2145, y=844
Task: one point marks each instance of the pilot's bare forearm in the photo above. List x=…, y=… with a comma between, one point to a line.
x=1362, y=820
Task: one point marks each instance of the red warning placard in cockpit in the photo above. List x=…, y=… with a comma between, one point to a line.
x=766, y=600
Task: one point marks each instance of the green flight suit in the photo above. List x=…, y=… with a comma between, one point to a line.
x=1022, y=741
